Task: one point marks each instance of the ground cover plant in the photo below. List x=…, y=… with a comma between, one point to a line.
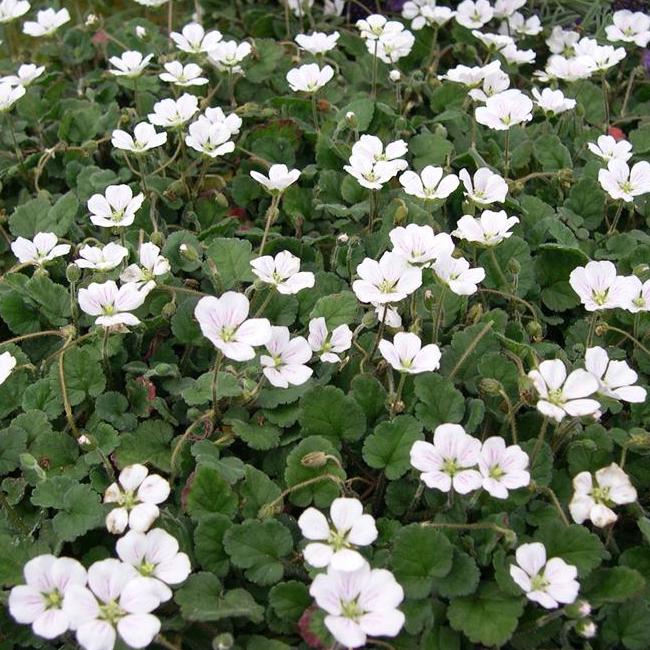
x=325, y=324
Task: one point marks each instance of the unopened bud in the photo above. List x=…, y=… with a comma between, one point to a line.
x=535, y=330
x=369, y=319
x=514, y=266
x=314, y=459
x=440, y=130
x=586, y=628
x=395, y=75
x=224, y=641
x=398, y=406
x=140, y=31
x=343, y=238
x=401, y=213
x=168, y=310
x=157, y=238
x=28, y=462
x=188, y=252
x=73, y=273
x=69, y=331
x=351, y=120
x=475, y=313
x=84, y=441
x=269, y=510
x=91, y=19
x=527, y=390
x=642, y=271
x=490, y=386
x=579, y=609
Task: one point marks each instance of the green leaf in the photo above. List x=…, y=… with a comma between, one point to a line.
x=389, y=446
x=613, y=585
x=429, y=149
x=210, y=494
x=200, y=391
x=81, y=512
x=37, y=215
x=419, y=555
x=261, y=436
x=439, y=402
x=13, y=442
x=113, y=408
x=337, y=309
x=208, y=543
x=328, y=412
x=256, y=490
x=463, y=578
x=201, y=599
x=370, y=395
x=83, y=375
x=551, y=153
x=259, y=548
x=488, y=617
x=574, y=544
x=289, y=600
x=232, y=259
x=148, y=444
x=627, y=625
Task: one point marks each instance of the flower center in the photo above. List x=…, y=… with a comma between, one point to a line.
x=639, y=302
x=117, y=216
x=496, y=472
x=350, y=609
x=449, y=466
x=111, y=612
x=338, y=540
x=128, y=500
x=539, y=583
x=599, y=297
x=108, y=310
x=228, y=334
x=386, y=286
x=555, y=396
x=626, y=187
x=147, y=568
x=53, y=599
x=600, y=495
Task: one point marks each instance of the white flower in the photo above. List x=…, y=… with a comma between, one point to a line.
x=151, y=3
x=12, y=9
x=7, y=364
x=116, y=602
x=449, y=462
x=505, y=110
x=493, y=42
x=503, y=468
x=638, y=295
x=284, y=366
x=155, y=555
x=547, y=583
x=334, y=545
x=490, y=229
x=457, y=275
x=210, y=139
x=372, y=165
x=9, y=95
x=376, y=25
x=309, y=78
x=389, y=280
x=485, y=188
x=630, y=27
x=216, y=116
x=170, y=113
x=112, y=305
x=505, y=8
x=523, y=26
x=101, y=259
x=39, y=602
x=227, y=55
x=278, y=179
x=131, y=64
x=435, y=15
x=493, y=84
x=607, y=148
x=621, y=182
x=391, y=47
x=144, y=138
x=598, y=286
x=359, y=604
x=568, y=69
x=117, y=207
x=514, y=56
x=152, y=264
x=193, y=39
x=391, y=316
x=395, y=76
x=406, y=354
x=474, y=14
x=603, y=56
x=470, y=77
x=594, y=501
x=299, y=7
x=140, y=32
x=183, y=75
x=553, y=101
x=615, y=378
x=419, y=245
x=562, y=41
x=333, y=7
x=429, y=184
x=560, y=395
x=27, y=73
x=425, y=12
x=47, y=22
x=224, y=321
x=43, y=248
x=317, y=42
x=327, y=346
x=137, y=495
x=283, y=272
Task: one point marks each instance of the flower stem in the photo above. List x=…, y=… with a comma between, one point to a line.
x=617, y=216
x=267, y=507
x=314, y=112
x=470, y=349
x=215, y=386
x=440, y=310
x=539, y=442
x=271, y=214
x=506, y=154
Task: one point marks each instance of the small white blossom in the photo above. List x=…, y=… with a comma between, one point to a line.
x=278, y=179
x=429, y=184
x=523, y=26
x=224, y=321
x=375, y=25
x=309, y=78
x=456, y=273
x=607, y=148
x=215, y=115
x=317, y=42
x=553, y=101
x=448, y=463
x=116, y=207
x=485, y=187
x=210, y=139
x=418, y=245
x=299, y=7
x=471, y=77
x=7, y=365
x=505, y=110
x=391, y=316
x=603, y=57
x=598, y=286
x=46, y=23
x=406, y=354
x=630, y=27
x=335, y=544
x=26, y=74
x=426, y=12
x=39, y=602
x=549, y=583
x=170, y=113
x=637, y=295
x=593, y=500
x=112, y=306
x=9, y=95
x=284, y=365
x=372, y=164
x=502, y=468
x=473, y=14
x=183, y=75
x=12, y=9
x=228, y=55
x=328, y=346
x=623, y=183
x=193, y=39
x=568, y=69
x=490, y=229
x=615, y=378
x=42, y=249
x=152, y=265
x=391, y=47
x=562, y=41
x=359, y=604
x=560, y=395
x=283, y=272
x=514, y=56
x=505, y=8
x=389, y=280
x=131, y=64
x=143, y=139
x=493, y=84
x=101, y=258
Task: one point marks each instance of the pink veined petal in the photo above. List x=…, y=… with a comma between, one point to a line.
x=26, y=604
x=467, y=480
x=425, y=457
x=297, y=351
x=67, y=571
x=51, y=623
x=140, y=595
x=380, y=592
x=255, y=331
x=80, y=605
x=37, y=572
x=389, y=352
x=344, y=512
x=313, y=524
x=296, y=375
x=107, y=578
x=345, y=631
x=445, y=438
x=138, y=630
x=96, y=635
x=275, y=377
x=437, y=480
x=324, y=590
x=601, y=515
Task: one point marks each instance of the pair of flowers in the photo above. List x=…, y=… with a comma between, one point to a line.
x=358, y=601
x=385, y=39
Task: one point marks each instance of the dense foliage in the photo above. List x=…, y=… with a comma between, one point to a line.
x=324, y=341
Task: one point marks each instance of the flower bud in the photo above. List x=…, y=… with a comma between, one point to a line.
x=401, y=213
x=269, y=510
x=395, y=75
x=642, y=271
x=579, y=609
x=535, y=330
x=91, y=19
x=168, y=310
x=188, y=252
x=157, y=238
x=224, y=641
x=84, y=441
x=69, y=331
x=28, y=462
x=343, y=238
x=140, y=31
x=73, y=273
x=351, y=120
x=474, y=314
x=440, y=130
x=514, y=266
x=490, y=386
x=314, y=459
x=369, y=319
x=527, y=390
x=398, y=406
x=586, y=628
